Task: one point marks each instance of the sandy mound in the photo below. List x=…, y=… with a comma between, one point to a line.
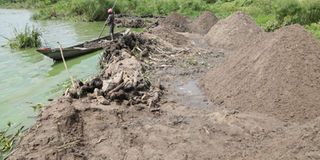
x=176, y=22
x=279, y=76
x=233, y=32
x=203, y=23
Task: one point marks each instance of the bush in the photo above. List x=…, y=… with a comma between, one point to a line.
x=271, y=25
x=314, y=28
x=29, y=38
x=192, y=7
x=92, y=10
x=170, y=7
x=289, y=12
x=210, y=1
x=311, y=12
x=302, y=12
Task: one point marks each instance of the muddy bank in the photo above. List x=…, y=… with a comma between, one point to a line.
x=147, y=103
x=125, y=111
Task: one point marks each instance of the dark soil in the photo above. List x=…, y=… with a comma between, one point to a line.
x=169, y=35
x=176, y=22
x=135, y=22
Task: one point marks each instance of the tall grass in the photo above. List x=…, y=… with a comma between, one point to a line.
x=271, y=14
x=28, y=38
x=84, y=10
x=95, y=10
x=298, y=11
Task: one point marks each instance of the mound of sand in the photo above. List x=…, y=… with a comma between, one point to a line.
x=233, y=32
x=176, y=21
x=279, y=76
x=203, y=23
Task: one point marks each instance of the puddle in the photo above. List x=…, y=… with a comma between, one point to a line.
x=189, y=94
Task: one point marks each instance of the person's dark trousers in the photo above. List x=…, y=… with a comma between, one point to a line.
x=111, y=31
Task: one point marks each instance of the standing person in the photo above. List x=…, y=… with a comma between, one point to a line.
x=110, y=22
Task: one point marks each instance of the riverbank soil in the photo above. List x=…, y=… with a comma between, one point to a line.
x=126, y=21
x=260, y=99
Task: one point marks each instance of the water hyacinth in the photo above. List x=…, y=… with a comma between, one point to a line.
x=29, y=38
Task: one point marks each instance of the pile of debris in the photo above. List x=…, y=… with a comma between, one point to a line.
x=177, y=22
x=122, y=79
x=131, y=23
x=170, y=35
x=127, y=21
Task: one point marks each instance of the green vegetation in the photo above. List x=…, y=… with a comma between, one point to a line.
x=37, y=107
x=192, y=61
x=269, y=14
x=93, y=10
x=315, y=29
x=7, y=140
x=29, y=38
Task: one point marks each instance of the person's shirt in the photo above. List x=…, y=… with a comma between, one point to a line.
x=110, y=19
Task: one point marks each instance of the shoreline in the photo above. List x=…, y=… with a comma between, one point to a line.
x=145, y=104
x=145, y=51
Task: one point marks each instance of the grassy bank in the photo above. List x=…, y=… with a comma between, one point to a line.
x=269, y=14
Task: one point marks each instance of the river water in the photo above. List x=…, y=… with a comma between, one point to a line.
x=28, y=78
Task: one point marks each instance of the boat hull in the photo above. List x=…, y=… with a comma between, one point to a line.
x=67, y=53
x=74, y=51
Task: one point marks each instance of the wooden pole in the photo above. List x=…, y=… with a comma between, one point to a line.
x=65, y=65
x=102, y=30
x=114, y=4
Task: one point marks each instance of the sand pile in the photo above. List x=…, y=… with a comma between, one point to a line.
x=204, y=23
x=233, y=32
x=176, y=22
x=279, y=76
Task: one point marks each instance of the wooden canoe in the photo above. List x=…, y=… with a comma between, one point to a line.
x=76, y=50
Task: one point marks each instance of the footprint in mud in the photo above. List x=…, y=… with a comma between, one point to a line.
x=189, y=94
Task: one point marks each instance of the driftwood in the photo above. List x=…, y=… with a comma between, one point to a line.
x=122, y=78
